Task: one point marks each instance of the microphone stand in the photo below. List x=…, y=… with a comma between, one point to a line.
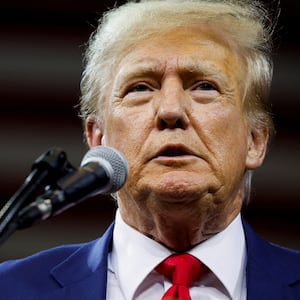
x=50, y=166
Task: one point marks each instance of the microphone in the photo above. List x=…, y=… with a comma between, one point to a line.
x=103, y=170
x=46, y=169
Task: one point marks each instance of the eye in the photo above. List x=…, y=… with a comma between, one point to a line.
x=137, y=93
x=205, y=86
x=138, y=88
x=204, y=91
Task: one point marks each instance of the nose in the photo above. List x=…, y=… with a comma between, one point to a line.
x=172, y=107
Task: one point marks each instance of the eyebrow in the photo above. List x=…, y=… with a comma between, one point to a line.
x=186, y=66
x=141, y=68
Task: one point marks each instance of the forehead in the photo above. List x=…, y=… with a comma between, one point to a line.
x=185, y=49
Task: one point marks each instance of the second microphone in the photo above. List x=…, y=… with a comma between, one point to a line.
x=103, y=170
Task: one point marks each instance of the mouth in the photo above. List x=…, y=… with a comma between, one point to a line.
x=174, y=151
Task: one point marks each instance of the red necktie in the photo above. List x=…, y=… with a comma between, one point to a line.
x=182, y=270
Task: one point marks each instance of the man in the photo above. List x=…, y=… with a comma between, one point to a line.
x=180, y=87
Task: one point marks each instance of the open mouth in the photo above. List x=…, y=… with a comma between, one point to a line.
x=173, y=151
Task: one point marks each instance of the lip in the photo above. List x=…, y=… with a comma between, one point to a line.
x=173, y=152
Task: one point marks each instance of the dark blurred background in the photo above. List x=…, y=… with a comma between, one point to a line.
x=41, y=46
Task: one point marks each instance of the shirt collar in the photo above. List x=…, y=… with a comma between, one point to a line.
x=130, y=247
x=223, y=253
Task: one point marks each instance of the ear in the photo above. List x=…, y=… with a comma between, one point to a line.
x=257, y=147
x=94, y=132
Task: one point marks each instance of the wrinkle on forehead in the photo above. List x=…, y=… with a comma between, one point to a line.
x=189, y=66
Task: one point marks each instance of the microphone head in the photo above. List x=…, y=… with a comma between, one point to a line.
x=113, y=161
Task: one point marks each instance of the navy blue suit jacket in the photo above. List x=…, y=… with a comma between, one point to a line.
x=78, y=272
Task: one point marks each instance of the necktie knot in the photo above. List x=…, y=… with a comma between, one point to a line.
x=182, y=270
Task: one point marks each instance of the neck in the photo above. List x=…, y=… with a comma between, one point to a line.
x=180, y=226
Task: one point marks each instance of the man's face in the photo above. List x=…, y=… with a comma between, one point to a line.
x=175, y=111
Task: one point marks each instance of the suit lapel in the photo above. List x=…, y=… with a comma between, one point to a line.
x=83, y=275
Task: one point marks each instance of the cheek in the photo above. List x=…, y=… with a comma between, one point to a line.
x=225, y=134
x=233, y=144
x=127, y=129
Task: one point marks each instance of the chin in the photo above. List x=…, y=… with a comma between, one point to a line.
x=179, y=189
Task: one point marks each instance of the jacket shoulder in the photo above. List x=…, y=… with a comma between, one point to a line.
x=38, y=262
x=260, y=248
x=48, y=271
x=273, y=271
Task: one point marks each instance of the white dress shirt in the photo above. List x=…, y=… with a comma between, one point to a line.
x=134, y=256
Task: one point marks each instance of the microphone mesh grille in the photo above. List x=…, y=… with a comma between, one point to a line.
x=117, y=161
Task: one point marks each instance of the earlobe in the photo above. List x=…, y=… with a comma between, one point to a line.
x=257, y=147
x=94, y=132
